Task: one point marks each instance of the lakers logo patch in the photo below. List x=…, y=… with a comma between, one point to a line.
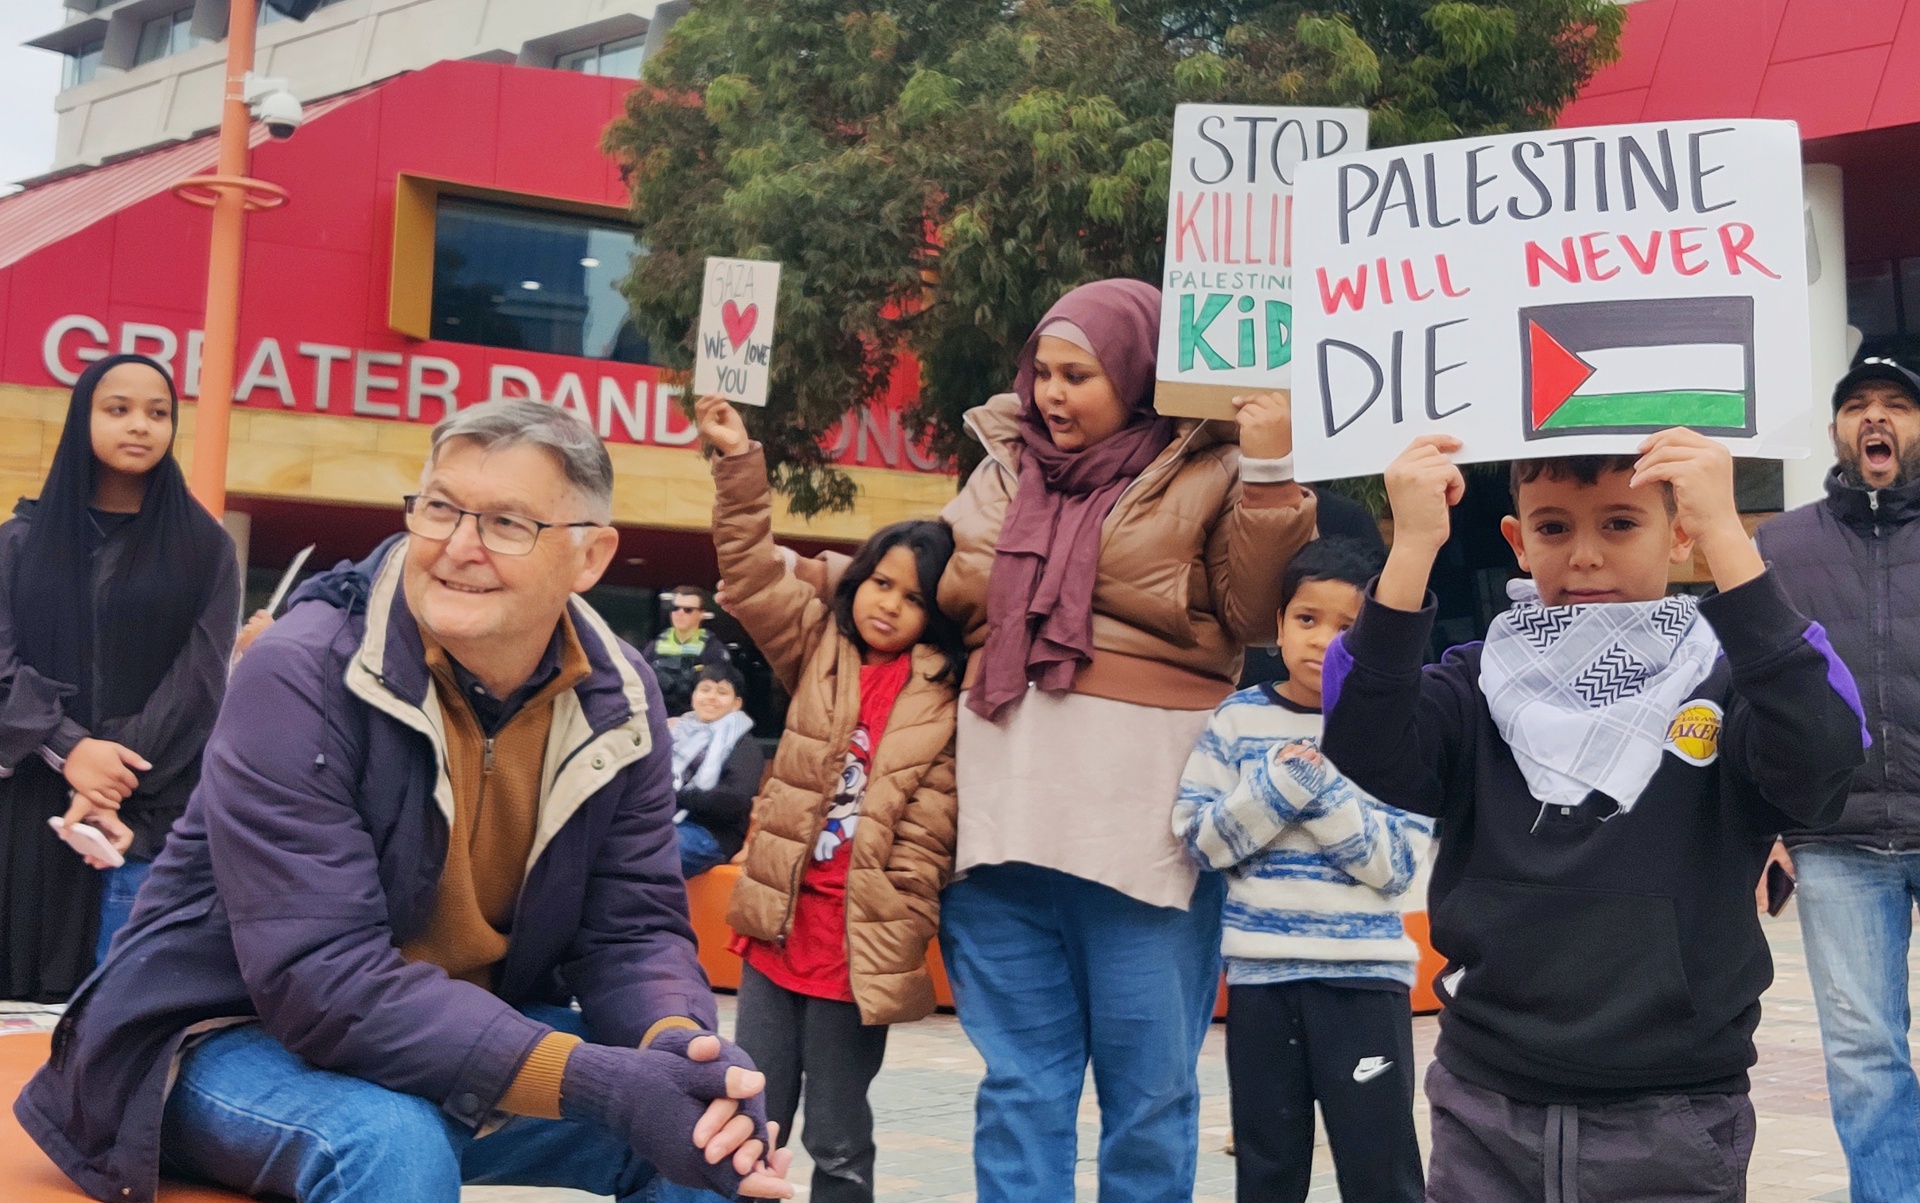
x=1694, y=733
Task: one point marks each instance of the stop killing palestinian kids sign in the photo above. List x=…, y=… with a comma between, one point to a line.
x=1566, y=292
x=736, y=329
x=1226, y=318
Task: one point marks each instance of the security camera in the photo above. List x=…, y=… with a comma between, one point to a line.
x=280, y=113
x=274, y=105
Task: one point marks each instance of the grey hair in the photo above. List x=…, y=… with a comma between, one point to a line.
x=519, y=423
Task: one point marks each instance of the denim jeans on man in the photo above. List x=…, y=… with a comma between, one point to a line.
x=1051, y=971
x=1856, y=917
x=249, y=1115
x=116, y=902
x=699, y=851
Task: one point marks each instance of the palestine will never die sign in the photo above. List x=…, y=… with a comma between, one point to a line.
x=1566, y=292
x=1226, y=317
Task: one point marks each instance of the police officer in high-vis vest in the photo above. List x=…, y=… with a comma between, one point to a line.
x=684, y=648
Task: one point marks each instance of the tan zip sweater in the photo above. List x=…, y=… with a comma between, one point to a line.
x=496, y=810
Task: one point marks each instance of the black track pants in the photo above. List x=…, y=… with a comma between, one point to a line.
x=1351, y=1050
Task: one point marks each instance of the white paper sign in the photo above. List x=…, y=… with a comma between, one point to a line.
x=1566, y=292
x=736, y=329
x=1226, y=317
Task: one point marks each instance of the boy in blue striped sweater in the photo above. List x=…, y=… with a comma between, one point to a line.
x=1318, y=964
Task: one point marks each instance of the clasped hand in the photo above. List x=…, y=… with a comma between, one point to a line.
x=690, y=1103
x=101, y=774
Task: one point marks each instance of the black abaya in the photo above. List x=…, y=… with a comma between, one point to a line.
x=112, y=626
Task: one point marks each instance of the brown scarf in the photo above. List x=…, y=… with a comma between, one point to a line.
x=1040, y=594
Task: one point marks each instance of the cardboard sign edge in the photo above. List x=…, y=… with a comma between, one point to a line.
x=1184, y=399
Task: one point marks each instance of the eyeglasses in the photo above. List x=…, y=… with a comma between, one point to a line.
x=502, y=534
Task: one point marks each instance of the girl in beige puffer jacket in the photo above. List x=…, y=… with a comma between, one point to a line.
x=853, y=831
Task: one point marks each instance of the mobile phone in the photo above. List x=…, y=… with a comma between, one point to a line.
x=1779, y=887
x=87, y=841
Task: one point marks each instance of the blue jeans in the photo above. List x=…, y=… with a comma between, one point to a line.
x=1051, y=972
x=699, y=851
x=1856, y=915
x=249, y=1115
x=116, y=902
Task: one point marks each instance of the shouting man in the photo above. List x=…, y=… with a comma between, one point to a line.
x=1852, y=564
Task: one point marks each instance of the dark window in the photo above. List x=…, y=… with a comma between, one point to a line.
x=268, y=16
x=620, y=58
x=1883, y=303
x=83, y=64
x=168, y=35
x=533, y=281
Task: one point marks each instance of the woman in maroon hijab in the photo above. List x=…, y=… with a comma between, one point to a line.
x=1109, y=567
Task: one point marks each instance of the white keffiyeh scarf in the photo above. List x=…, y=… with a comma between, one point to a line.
x=710, y=743
x=1584, y=695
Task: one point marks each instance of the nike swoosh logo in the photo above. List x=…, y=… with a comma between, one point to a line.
x=1370, y=1068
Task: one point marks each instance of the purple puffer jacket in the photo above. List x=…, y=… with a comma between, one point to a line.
x=312, y=849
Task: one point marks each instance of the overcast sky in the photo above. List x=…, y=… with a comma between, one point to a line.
x=29, y=79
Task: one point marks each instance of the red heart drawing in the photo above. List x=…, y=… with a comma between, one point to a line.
x=739, y=322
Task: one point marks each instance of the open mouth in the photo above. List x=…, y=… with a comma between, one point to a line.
x=1058, y=421
x=459, y=588
x=1877, y=452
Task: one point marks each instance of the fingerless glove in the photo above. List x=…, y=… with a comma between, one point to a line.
x=653, y=1097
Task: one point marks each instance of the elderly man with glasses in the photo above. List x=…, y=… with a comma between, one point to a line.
x=436, y=809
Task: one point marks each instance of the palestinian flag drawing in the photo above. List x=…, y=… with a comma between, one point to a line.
x=1634, y=367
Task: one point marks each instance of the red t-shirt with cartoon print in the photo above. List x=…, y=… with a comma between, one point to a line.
x=813, y=961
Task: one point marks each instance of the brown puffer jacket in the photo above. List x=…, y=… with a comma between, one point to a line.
x=902, y=854
x=1190, y=562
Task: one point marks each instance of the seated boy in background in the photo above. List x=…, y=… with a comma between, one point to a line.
x=1318, y=964
x=716, y=770
x=1609, y=767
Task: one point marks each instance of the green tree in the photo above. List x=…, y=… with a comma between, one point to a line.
x=935, y=173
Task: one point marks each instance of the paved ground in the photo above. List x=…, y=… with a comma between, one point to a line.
x=924, y=1104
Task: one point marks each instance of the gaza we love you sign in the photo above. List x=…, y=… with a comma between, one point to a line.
x=736, y=329
x=1564, y=292
x=1226, y=316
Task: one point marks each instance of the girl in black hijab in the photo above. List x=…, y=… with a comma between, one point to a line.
x=119, y=599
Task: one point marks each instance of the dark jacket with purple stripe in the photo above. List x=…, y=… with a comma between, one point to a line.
x=1595, y=955
x=1852, y=562
x=312, y=850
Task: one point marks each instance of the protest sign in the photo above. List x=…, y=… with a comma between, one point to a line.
x=1566, y=292
x=736, y=329
x=1226, y=317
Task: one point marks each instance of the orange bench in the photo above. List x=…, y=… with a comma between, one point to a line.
x=26, y=1176
x=707, y=900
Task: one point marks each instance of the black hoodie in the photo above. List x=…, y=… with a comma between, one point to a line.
x=1595, y=956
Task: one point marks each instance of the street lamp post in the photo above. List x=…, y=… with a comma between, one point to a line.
x=231, y=194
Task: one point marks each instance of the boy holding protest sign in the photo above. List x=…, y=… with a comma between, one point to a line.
x=1608, y=768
